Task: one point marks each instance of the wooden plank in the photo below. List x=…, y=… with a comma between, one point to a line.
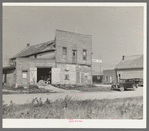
x=33, y=75
x=55, y=75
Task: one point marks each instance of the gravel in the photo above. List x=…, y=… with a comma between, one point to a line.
x=76, y=95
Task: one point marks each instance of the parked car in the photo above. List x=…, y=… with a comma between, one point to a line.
x=125, y=84
x=140, y=81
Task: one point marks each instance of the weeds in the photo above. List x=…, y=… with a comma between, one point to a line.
x=67, y=108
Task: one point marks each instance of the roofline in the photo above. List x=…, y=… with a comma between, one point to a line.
x=128, y=68
x=38, y=53
x=73, y=32
x=50, y=42
x=9, y=67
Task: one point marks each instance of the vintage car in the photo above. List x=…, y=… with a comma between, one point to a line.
x=125, y=84
x=139, y=80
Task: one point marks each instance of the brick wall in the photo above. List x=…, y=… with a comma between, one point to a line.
x=85, y=74
x=111, y=74
x=10, y=77
x=24, y=64
x=67, y=69
x=78, y=74
x=73, y=41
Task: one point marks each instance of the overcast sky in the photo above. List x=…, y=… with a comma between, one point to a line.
x=115, y=31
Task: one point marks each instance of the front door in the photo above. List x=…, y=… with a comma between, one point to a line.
x=74, y=56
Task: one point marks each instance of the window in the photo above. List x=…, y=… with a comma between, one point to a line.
x=64, y=53
x=84, y=55
x=106, y=78
x=74, y=56
x=24, y=74
x=66, y=77
x=98, y=77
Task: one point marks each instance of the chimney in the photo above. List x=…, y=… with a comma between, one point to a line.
x=123, y=57
x=28, y=44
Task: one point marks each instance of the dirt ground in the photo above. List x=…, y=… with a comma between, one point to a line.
x=74, y=94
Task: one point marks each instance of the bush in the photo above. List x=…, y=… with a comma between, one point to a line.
x=20, y=87
x=33, y=87
x=36, y=102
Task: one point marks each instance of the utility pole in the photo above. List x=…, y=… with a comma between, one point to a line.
x=100, y=63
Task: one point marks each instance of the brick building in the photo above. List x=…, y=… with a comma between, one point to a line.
x=109, y=76
x=65, y=60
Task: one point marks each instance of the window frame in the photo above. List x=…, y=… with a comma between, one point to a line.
x=84, y=56
x=107, y=78
x=66, y=76
x=26, y=73
x=64, y=53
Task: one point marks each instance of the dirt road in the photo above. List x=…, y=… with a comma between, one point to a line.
x=76, y=95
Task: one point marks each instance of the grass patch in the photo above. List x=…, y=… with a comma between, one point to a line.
x=120, y=108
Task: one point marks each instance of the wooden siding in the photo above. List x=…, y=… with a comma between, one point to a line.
x=130, y=73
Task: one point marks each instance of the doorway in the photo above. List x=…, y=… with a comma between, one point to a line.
x=44, y=74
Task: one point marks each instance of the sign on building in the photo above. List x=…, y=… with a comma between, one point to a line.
x=97, y=60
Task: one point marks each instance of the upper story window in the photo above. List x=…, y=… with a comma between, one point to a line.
x=84, y=55
x=64, y=53
x=74, y=56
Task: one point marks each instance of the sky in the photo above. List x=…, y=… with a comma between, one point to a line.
x=116, y=31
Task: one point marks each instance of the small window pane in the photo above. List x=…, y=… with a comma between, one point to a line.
x=64, y=52
x=24, y=74
x=66, y=77
x=84, y=55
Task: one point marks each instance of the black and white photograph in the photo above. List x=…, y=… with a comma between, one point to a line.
x=74, y=65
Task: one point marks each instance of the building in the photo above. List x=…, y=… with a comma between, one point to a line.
x=97, y=77
x=109, y=76
x=65, y=60
x=129, y=67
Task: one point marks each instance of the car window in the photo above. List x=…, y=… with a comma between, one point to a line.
x=129, y=80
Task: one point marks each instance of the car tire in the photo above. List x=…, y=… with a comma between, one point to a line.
x=121, y=89
x=134, y=87
x=112, y=88
x=137, y=85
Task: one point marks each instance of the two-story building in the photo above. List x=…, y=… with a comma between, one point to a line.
x=65, y=60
